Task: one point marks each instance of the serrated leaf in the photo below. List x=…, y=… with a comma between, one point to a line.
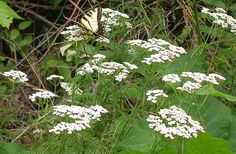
x=23, y=25
x=7, y=15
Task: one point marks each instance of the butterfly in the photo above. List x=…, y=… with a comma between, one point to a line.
x=91, y=22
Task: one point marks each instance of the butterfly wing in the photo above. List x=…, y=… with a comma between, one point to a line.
x=91, y=21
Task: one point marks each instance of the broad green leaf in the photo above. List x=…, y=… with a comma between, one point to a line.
x=10, y=148
x=7, y=15
x=64, y=48
x=139, y=139
x=232, y=134
x=216, y=117
x=207, y=90
x=206, y=144
x=203, y=144
x=24, y=24
x=14, y=34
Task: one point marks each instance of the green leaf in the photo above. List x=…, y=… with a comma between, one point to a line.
x=56, y=2
x=23, y=25
x=215, y=3
x=64, y=48
x=10, y=148
x=139, y=139
x=3, y=89
x=14, y=34
x=206, y=144
x=25, y=41
x=232, y=134
x=207, y=90
x=216, y=117
x=7, y=15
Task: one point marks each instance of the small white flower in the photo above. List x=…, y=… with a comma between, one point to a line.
x=45, y=94
x=82, y=117
x=74, y=33
x=111, y=18
x=53, y=76
x=108, y=68
x=221, y=18
x=130, y=66
x=190, y=87
x=174, y=121
x=172, y=78
x=16, y=75
x=70, y=88
x=163, y=50
x=154, y=94
x=103, y=39
x=98, y=57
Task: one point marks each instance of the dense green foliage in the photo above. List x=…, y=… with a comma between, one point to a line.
x=30, y=41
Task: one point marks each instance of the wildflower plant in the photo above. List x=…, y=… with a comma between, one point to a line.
x=17, y=76
x=134, y=92
x=221, y=18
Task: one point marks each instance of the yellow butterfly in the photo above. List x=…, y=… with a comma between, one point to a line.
x=91, y=22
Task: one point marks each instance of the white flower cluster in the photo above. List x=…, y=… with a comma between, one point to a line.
x=103, y=39
x=173, y=122
x=172, y=78
x=154, y=94
x=197, y=77
x=221, y=18
x=16, y=75
x=82, y=117
x=190, y=86
x=107, y=68
x=200, y=77
x=54, y=76
x=164, y=50
x=45, y=94
x=74, y=33
x=70, y=88
x=111, y=18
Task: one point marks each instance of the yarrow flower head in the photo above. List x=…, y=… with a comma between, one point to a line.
x=70, y=88
x=16, y=75
x=196, y=80
x=174, y=122
x=44, y=94
x=53, y=76
x=201, y=77
x=82, y=117
x=190, y=87
x=154, y=94
x=172, y=78
x=221, y=18
x=74, y=33
x=120, y=71
x=163, y=50
x=111, y=18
